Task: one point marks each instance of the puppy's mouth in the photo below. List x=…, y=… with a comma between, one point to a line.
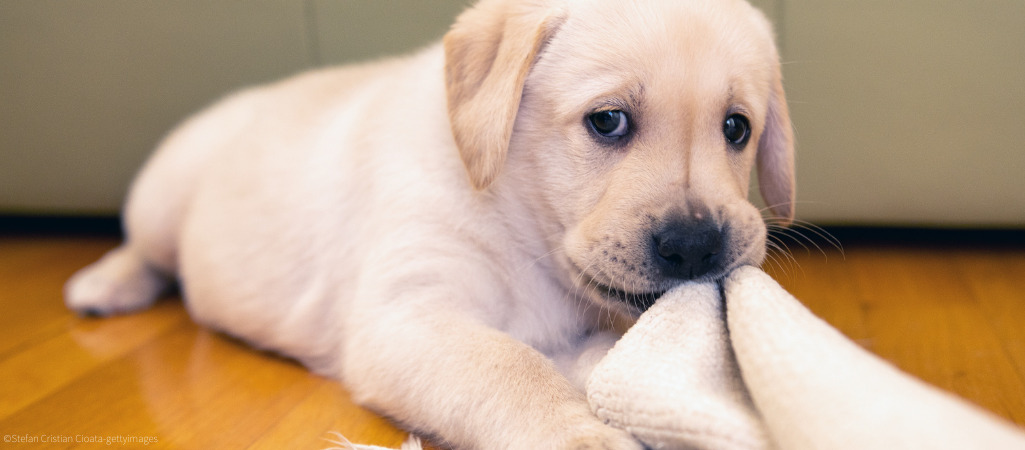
x=638, y=301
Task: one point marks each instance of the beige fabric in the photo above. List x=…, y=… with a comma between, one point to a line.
x=673, y=381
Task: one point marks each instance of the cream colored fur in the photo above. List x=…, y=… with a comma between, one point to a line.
x=436, y=230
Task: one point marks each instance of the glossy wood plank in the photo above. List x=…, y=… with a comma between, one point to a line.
x=51, y=363
x=32, y=275
x=951, y=315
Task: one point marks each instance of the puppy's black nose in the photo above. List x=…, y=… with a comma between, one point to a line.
x=687, y=250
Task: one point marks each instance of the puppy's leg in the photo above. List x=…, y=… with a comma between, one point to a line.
x=119, y=282
x=448, y=375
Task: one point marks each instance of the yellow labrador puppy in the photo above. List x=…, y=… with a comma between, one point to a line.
x=437, y=231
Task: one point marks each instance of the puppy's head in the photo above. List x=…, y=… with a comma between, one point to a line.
x=631, y=128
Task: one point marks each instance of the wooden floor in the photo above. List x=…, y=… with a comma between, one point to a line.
x=953, y=315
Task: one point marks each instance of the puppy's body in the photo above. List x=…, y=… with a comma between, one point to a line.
x=330, y=217
x=334, y=180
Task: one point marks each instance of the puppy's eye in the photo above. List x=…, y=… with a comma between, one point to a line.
x=610, y=124
x=737, y=130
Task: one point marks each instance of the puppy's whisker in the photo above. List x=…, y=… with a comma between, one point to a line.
x=546, y=255
x=594, y=288
x=795, y=234
x=778, y=248
x=795, y=61
x=579, y=285
x=767, y=209
x=779, y=252
x=778, y=233
x=772, y=260
x=791, y=229
x=607, y=309
x=821, y=233
x=587, y=287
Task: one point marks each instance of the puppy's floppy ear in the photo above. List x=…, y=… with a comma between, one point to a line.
x=776, y=156
x=488, y=53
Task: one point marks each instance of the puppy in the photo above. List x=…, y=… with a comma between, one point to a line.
x=436, y=231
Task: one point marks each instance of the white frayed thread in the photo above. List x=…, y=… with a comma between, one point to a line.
x=341, y=443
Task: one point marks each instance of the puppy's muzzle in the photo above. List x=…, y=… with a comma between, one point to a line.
x=687, y=249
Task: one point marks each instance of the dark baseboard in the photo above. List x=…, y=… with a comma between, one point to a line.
x=851, y=235
x=110, y=226
x=55, y=225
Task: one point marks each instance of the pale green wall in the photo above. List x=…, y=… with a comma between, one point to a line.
x=907, y=113
x=88, y=87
